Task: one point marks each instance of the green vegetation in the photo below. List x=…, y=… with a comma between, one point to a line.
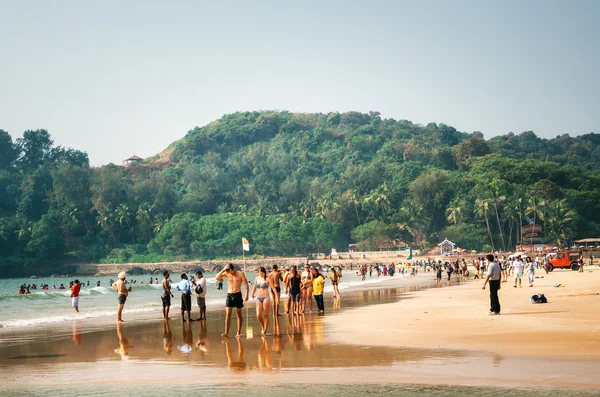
x=293, y=184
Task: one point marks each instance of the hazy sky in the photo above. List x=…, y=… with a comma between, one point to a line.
x=116, y=78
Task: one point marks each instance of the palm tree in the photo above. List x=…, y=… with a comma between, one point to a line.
x=412, y=221
x=482, y=208
x=144, y=219
x=123, y=216
x=534, y=207
x=559, y=216
x=382, y=202
x=512, y=216
x=159, y=223
x=353, y=199
x=496, y=200
x=454, y=215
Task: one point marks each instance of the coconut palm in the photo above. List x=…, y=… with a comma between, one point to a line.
x=411, y=220
x=559, y=217
x=482, y=209
x=534, y=207
x=496, y=200
x=512, y=216
x=454, y=215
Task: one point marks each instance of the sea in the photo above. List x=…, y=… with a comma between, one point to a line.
x=52, y=306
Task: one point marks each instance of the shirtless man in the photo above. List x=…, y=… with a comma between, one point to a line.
x=275, y=277
x=235, y=278
x=122, y=293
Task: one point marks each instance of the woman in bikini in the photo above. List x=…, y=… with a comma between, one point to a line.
x=261, y=290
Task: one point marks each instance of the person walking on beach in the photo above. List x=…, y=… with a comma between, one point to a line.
x=235, y=278
x=185, y=288
x=318, y=284
x=493, y=278
x=335, y=279
x=518, y=266
x=530, y=268
x=306, y=289
x=122, y=293
x=286, y=278
x=166, y=295
x=275, y=277
x=262, y=284
x=293, y=289
x=75, y=295
x=200, y=292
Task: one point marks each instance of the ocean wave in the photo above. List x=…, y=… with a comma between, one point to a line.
x=144, y=308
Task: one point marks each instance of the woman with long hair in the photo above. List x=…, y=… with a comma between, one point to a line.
x=261, y=290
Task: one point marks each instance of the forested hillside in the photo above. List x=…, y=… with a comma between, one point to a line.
x=293, y=184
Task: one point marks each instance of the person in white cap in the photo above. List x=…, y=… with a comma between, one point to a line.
x=122, y=292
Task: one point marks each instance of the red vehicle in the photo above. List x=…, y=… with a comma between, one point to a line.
x=565, y=260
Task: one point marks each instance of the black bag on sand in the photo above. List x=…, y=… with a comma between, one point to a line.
x=538, y=298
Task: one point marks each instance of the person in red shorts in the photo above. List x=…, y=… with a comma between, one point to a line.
x=75, y=295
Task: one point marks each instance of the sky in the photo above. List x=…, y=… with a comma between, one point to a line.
x=117, y=78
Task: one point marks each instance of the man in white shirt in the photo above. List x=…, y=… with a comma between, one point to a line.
x=518, y=266
x=200, y=292
x=494, y=274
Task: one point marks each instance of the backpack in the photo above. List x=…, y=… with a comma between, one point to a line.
x=198, y=289
x=538, y=298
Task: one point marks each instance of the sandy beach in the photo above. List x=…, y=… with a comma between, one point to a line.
x=567, y=327
x=402, y=336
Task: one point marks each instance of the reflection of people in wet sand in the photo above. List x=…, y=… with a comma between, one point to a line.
x=122, y=293
x=276, y=326
x=76, y=333
x=202, y=339
x=188, y=338
x=262, y=284
x=295, y=331
x=275, y=277
x=265, y=362
x=167, y=337
x=238, y=365
x=235, y=278
x=124, y=344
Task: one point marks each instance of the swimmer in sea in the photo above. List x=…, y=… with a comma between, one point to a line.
x=262, y=285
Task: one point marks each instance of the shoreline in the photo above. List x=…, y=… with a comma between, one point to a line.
x=317, y=345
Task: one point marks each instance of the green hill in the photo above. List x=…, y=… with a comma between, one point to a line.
x=293, y=184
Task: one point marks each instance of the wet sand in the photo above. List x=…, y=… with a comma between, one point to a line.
x=335, y=349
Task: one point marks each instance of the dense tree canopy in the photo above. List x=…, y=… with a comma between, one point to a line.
x=295, y=184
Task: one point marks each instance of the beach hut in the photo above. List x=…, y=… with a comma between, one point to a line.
x=446, y=247
x=133, y=160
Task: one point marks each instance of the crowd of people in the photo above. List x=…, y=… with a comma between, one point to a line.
x=299, y=286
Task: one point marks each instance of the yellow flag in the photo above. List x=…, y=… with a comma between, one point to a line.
x=245, y=244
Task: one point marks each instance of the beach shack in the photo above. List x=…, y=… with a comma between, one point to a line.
x=133, y=160
x=446, y=247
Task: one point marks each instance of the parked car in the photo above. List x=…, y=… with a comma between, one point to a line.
x=565, y=260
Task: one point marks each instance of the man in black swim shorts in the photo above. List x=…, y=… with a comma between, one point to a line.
x=275, y=277
x=235, y=278
x=234, y=300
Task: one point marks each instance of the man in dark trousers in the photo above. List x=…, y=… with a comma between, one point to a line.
x=493, y=277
